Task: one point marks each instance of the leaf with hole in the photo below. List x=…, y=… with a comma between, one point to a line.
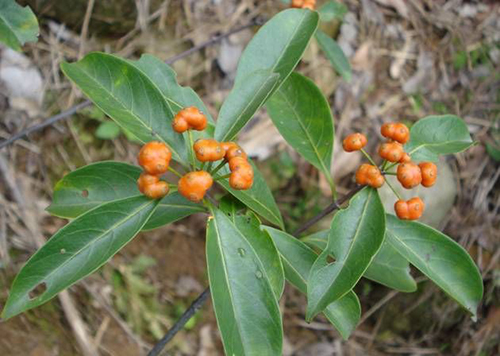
x=388, y=266
x=127, y=95
x=276, y=48
x=440, y=258
x=297, y=260
x=303, y=117
x=245, y=304
x=18, y=24
x=107, y=181
x=76, y=251
x=438, y=135
x=356, y=235
x=334, y=54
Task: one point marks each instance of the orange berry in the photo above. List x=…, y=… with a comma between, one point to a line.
x=429, y=173
x=180, y=125
x=401, y=133
x=405, y=159
x=240, y=181
x=157, y=190
x=309, y=4
x=190, y=116
x=401, y=209
x=235, y=151
x=369, y=175
x=354, y=142
x=194, y=185
x=146, y=180
x=297, y=3
x=409, y=175
x=227, y=145
x=395, y=131
x=387, y=129
x=415, y=208
x=154, y=157
x=151, y=186
x=237, y=163
x=391, y=151
x=208, y=150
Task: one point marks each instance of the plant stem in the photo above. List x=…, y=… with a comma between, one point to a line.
x=202, y=166
x=175, y=172
x=390, y=173
x=191, y=150
x=219, y=167
x=368, y=157
x=393, y=190
x=223, y=177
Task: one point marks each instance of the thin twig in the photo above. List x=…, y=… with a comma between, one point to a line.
x=197, y=304
x=68, y=113
x=188, y=314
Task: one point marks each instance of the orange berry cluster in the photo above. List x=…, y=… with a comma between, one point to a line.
x=304, y=4
x=155, y=157
x=408, y=173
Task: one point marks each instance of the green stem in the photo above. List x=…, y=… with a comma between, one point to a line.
x=218, y=168
x=368, y=157
x=390, y=173
x=384, y=164
x=393, y=190
x=202, y=166
x=223, y=177
x=191, y=150
x=175, y=172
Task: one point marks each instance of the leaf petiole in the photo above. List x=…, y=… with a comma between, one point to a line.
x=368, y=157
x=393, y=190
x=219, y=167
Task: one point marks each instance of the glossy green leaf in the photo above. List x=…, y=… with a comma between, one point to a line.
x=249, y=226
x=356, y=235
x=388, y=266
x=332, y=10
x=128, y=96
x=438, y=135
x=334, y=54
x=303, y=117
x=493, y=151
x=18, y=24
x=276, y=48
x=77, y=250
x=107, y=181
x=259, y=198
x=177, y=96
x=245, y=305
x=242, y=103
x=108, y=130
x=298, y=259
x=440, y=258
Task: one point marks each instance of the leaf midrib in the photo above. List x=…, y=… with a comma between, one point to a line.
x=99, y=237
x=297, y=116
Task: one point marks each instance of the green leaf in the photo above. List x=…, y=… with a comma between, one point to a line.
x=276, y=49
x=332, y=10
x=242, y=103
x=438, y=135
x=103, y=182
x=356, y=236
x=259, y=198
x=176, y=96
x=128, y=96
x=245, y=305
x=440, y=258
x=298, y=259
x=334, y=54
x=18, y=24
x=77, y=250
x=250, y=227
x=303, y=117
x=388, y=266
x=108, y=130
x=493, y=151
